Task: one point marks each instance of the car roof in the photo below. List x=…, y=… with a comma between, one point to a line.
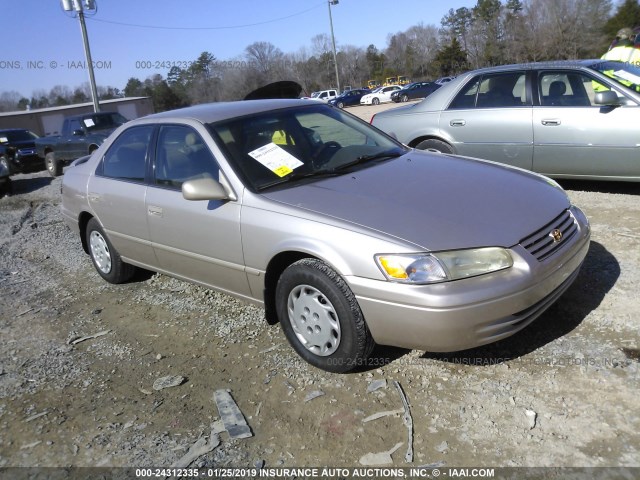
x=214, y=112
x=441, y=97
x=536, y=66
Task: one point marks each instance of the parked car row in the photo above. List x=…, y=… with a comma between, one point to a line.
x=22, y=151
x=381, y=94
x=352, y=236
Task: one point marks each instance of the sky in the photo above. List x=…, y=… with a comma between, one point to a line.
x=138, y=38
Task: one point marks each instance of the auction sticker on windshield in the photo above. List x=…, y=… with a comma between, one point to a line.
x=276, y=159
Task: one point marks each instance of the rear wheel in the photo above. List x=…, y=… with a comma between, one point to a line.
x=54, y=167
x=105, y=257
x=435, y=145
x=321, y=318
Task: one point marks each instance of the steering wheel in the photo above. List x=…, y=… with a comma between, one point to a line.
x=325, y=152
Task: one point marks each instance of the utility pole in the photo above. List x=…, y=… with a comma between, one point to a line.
x=78, y=6
x=333, y=40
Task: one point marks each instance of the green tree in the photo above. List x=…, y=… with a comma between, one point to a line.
x=134, y=88
x=451, y=59
x=375, y=62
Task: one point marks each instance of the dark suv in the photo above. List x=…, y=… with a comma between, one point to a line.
x=18, y=150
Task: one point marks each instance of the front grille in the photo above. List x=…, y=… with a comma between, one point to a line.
x=541, y=244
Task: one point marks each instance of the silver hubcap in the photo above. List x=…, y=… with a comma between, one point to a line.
x=314, y=320
x=100, y=252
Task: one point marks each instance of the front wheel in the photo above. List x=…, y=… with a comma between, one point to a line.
x=404, y=98
x=340, y=105
x=321, y=318
x=105, y=257
x=6, y=166
x=375, y=101
x=54, y=167
x=435, y=146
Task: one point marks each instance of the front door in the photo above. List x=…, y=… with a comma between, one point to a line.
x=196, y=240
x=574, y=137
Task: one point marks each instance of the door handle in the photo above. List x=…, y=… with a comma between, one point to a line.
x=551, y=122
x=155, y=211
x=457, y=123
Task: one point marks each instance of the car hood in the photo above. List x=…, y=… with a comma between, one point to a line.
x=435, y=201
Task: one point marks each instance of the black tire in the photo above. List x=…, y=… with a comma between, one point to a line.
x=54, y=167
x=375, y=101
x=104, y=256
x=6, y=164
x=340, y=105
x=335, y=336
x=404, y=98
x=435, y=145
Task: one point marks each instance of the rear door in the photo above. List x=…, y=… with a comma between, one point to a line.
x=574, y=137
x=117, y=194
x=491, y=118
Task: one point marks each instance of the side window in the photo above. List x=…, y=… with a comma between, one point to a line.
x=567, y=89
x=126, y=157
x=502, y=90
x=74, y=125
x=466, y=98
x=182, y=155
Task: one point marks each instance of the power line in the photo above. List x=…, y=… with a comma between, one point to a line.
x=228, y=27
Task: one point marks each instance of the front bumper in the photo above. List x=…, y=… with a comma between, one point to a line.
x=467, y=313
x=24, y=163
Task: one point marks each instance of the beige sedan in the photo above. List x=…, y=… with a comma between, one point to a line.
x=346, y=237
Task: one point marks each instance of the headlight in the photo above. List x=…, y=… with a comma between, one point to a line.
x=437, y=267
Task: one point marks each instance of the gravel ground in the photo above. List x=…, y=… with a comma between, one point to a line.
x=561, y=393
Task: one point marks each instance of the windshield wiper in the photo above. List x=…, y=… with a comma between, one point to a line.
x=367, y=158
x=298, y=176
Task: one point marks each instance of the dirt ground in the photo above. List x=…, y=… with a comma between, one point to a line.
x=561, y=393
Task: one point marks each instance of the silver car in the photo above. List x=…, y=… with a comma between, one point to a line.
x=344, y=235
x=569, y=119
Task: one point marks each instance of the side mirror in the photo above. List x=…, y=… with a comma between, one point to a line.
x=78, y=133
x=608, y=97
x=204, y=189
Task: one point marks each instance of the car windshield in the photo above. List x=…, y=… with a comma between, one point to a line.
x=625, y=73
x=103, y=121
x=11, y=136
x=284, y=146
